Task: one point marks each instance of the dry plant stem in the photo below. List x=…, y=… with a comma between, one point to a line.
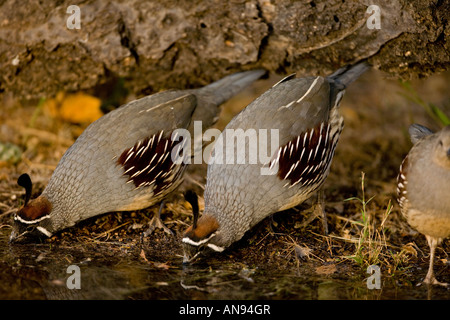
x=372, y=238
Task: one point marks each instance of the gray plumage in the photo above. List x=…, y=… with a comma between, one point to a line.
x=304, y=112
x=424, y=187
x=122, y=161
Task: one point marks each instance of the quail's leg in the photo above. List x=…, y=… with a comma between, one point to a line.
x=318, y=211
x=157, y=223
x=430, y=278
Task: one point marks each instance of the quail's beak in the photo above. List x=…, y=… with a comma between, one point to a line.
x=20, y=237
x=13, y=236
x=186, y=259
x=190, y=258
x=190, y=252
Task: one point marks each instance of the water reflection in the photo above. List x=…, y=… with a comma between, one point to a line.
x=40, y=272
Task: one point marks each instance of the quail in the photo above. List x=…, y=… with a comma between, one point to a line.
x=424, y=188
x=123, y=160
x=303, y=112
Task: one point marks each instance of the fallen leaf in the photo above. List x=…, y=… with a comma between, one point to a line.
x=161, y=265
x=142, y=255
x=75, y=108
x=409, y=248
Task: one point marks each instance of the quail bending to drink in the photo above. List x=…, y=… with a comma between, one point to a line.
x=304, y=112
x=122, y=161
x=424, y=188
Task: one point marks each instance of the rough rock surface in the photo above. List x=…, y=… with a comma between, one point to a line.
x=178, y=44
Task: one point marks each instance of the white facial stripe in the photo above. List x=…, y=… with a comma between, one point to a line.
x=215, y=248
x=18, y=218
x=198, y=243
x=189, y=241
x=44, y=231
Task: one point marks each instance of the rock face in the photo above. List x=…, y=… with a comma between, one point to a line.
x=179, y=44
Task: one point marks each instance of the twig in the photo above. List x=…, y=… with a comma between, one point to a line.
x=110, y=230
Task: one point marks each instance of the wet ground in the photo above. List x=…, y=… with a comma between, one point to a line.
x=122, y=271
x=286, y=256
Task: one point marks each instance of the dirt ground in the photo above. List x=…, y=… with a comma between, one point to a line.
x=373, y=144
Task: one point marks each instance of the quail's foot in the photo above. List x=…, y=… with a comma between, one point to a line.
x=317, y=210
x=156, y=222
x=430, y=279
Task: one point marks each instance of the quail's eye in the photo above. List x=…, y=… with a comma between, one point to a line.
x=440, y=143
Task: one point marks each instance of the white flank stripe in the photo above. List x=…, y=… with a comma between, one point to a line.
x=317, y=149
x=285, y=177
x=306, y=168
x=44, y=231
x=308, y=91
x=215, y=248
x=129, y=169
x=301, y=155
x=153, y=158
x=310, y=154
x=128, y=158
x=140, y=150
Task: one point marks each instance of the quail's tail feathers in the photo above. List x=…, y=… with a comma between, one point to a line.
x=346, y=75
x=342, y=78
x=227, y=87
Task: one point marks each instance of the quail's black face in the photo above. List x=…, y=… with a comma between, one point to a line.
x=194, y=249
x=203, y=235
x=32, y=222
x=23, y=233
x=190, y=252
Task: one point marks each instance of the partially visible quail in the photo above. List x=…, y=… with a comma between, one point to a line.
x=304, y=112
x=122, y=161
x=424, y=188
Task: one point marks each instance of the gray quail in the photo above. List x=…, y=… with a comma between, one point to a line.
x=304, y=112
x=424, y=188
x=122, y=161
